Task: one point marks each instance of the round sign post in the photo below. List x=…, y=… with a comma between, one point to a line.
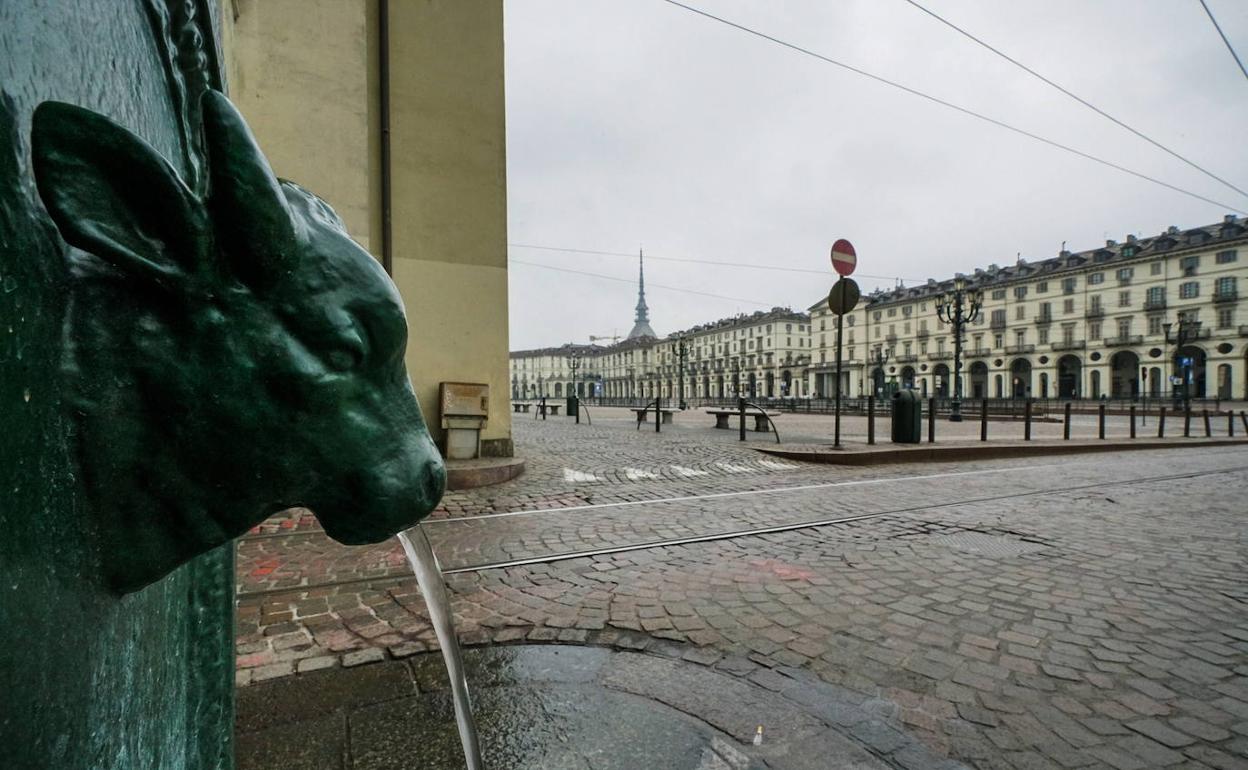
x=843, y=298
x=844, y=258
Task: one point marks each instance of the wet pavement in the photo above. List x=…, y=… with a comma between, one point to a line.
x=553, y=707
x=1086, y=611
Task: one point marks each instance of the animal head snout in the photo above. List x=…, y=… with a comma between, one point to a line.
x=374, y=501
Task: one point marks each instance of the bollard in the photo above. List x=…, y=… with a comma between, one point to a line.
x=1133, y=421
x=1100, y=420
x=741, y=419
x=1066, y=425
x=983, y=420
x=1244, y=417
x=1161, y=422
x=931, y=421
x=543, y=408
x=1187, y=423
x=1027, y=420
x=1230, y=425
x=870, y=419
x=1204, y=413
x=658, y=418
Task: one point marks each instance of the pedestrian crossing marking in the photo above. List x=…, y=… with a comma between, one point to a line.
x=776, y=465
x=573, y=476
x=680, y=470
x=636, y=474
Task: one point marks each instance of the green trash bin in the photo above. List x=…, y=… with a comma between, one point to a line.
x=907, y=417
x=573, y=401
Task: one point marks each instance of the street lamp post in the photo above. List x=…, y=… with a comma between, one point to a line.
x=574, y=363
x=1188, y=331
x=880, y=359
x=958, y=308
x=736, y=377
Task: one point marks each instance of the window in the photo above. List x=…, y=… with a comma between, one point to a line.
x=1096, y=278
x=892, y=311
x=1124, y=299
x=788, y=328
x=1094, y=330
x=1020, y=312
x=1068, y=334
x=1155, y=297
x=1190, y=316
x=905, y=328
x=1188, y=265
x=1042, y=287
x=877, y=332
x=1044, y=336
x=877, y=315
x=1128, y=251
x=1124, y=328
x=1020, y=338
x=1225, y=288
x=907, y=310
x=907, y=347
x=849, y=321
x=1226, y=257
x=1020, y=292
x=1046, y=310
x=892, y=330
x=1226, y=317
x=998, y=317
x=1095, y=301
x=998, y=293
x=1068, y=306
x=1155, y=268
x=923, y=325
x=1124, y=274
x=1189, y=290
x=1154, y=324
x=998, y=341
x=1069, y=284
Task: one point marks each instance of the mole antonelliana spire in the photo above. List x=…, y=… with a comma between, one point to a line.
x=641, y=324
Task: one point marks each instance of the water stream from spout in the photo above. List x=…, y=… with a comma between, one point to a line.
x=433, y=588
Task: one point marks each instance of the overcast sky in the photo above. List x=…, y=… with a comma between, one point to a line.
x=634, y=123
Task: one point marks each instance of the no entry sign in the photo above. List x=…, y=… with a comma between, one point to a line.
x=844, y=258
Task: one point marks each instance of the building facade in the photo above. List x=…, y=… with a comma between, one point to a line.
x=762, y=355
x=1081, y=325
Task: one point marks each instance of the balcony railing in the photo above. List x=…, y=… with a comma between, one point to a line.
x=1094, y=312
x=921, y=333
x=907, y=358
x=1243, y=331
x=1016, y=349
x=1072, y=345
x=1044, y=319
x=1229, y=295
x=891, y=338
x=1154, y=304
x=943, y=355
x=978, y=353
x=1124, y=340
x=997, y=324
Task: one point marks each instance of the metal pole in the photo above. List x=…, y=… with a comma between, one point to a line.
x=1230, y=425
x=1133, y=421
x=870, y=419
x=741, y=418
x=1100, y=420
x=1187, y=423
x=658, y=414
x=1205, y=414
x=840, y=325
x=1027, y=420
x=1066, y=423
x=931, y=420
x=1161, y=422
x=955, y=409
x=983, y=419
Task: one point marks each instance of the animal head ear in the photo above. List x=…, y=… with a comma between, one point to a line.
x=113, y=195
x=253, y=222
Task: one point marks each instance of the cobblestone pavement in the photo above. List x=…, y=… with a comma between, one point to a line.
x=1071, y=612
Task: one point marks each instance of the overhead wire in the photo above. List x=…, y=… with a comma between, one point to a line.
x=718, y=263
x=958, y=108
x=1080, y=99
x=650, y=285
x=1222, y=34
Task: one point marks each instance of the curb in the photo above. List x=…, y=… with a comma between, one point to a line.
x=982, y=451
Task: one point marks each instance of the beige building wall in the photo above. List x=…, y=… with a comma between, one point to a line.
x=307, y=76
x=448, y=145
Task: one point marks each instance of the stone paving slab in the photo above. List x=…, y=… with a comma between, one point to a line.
x=552, y=707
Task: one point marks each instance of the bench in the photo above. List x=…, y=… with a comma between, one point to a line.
x=521, y=406
x=761, y=424
x=643, y=417
x=553, y=408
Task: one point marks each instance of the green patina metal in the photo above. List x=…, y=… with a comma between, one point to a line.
x=187, y=344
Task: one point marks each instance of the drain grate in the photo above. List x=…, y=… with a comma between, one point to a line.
x=986, y=545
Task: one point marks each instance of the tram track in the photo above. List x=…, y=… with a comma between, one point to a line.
x=737, y=533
